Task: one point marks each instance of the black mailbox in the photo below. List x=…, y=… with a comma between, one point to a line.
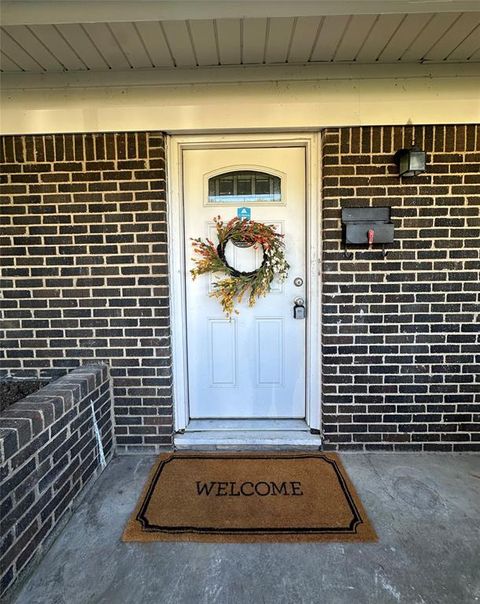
x=367, y=226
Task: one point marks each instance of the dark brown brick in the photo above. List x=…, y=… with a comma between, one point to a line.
x=431, y=228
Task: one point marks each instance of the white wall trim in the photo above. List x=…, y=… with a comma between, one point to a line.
x=314, y=98
x=314, y=259
x=221, y=74
x=176, y=261
x=176, y=146
x=17, y=12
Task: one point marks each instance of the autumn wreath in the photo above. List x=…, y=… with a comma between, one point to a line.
x=232, y=288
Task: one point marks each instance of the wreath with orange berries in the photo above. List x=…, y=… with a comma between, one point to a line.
x=236, y=284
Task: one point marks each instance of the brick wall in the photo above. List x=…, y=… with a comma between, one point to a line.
x=84, y=269
x=401, y=348
x=49, y=452
x=85, y=278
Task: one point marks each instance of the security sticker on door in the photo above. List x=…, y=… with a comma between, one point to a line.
x=244, y=213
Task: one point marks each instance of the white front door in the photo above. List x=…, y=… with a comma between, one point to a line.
x=253, y=365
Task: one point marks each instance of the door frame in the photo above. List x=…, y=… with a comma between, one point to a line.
x=176, y=144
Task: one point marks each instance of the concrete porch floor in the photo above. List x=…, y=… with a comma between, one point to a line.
x=425, y=509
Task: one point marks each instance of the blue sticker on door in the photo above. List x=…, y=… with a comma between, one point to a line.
x=244, y=213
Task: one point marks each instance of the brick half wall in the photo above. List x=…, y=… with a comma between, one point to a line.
x=401, y=349
x=84, y=269
x=49, y=451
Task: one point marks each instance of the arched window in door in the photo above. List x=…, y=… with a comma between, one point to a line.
x=244, y=187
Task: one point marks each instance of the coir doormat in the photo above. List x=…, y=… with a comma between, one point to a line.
x=249, y=497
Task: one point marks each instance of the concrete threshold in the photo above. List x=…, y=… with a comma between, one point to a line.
x=245, y=440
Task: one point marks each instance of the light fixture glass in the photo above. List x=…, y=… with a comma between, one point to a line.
x=411, y=162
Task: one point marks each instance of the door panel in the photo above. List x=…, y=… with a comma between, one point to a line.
x=252, y=366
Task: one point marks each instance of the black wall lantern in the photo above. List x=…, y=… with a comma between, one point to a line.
x=411, y=162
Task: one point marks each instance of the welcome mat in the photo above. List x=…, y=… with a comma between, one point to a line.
x=249, y=497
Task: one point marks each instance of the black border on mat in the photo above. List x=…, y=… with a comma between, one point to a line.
x=154, y=528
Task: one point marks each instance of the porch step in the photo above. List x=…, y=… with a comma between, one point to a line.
x=263, y=425
x=246, y=440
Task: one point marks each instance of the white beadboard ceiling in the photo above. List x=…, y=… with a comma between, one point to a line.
x=35, y=45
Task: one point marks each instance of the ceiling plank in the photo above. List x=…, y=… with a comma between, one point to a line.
x=380, y=35
x=303, y=39
x=18, y=12
x=475, y=56
x=354, y=37
x=104, y=40
x=153, y=39
x=7, y=65
x=178, y=39
x=254, y=36
x=378, y=38
x=449, y=41
x=18, y=54
x=467, y=48
x=228, y=32
x=34, y=47
x=83, y=46
x=203, y=37
x=330, y=35
x=58, y=46
x=409, y=29
x=429, y=36
x=129, y=41
x=279, y=33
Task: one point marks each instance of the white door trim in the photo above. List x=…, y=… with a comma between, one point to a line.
x=175, y=218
